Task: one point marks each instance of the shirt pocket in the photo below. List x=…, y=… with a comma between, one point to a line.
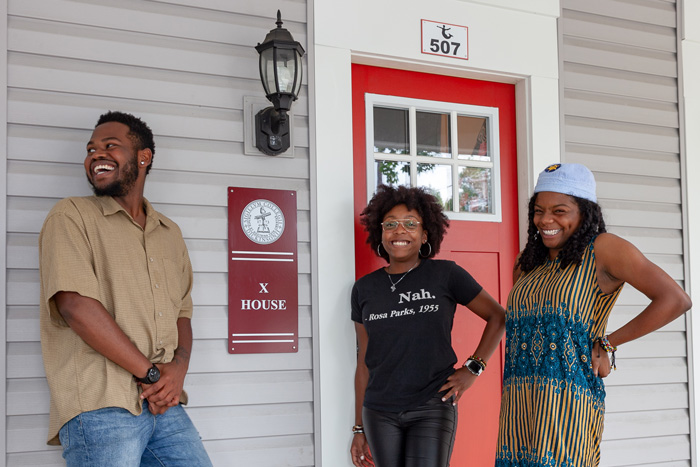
x=174, y=280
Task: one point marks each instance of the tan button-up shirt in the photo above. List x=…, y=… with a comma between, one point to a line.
x=143, y=277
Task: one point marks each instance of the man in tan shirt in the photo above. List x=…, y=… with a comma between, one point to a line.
x=115, y=313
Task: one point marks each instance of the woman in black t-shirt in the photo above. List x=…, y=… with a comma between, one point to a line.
x=406, y=386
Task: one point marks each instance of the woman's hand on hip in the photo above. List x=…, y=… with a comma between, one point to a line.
x=457, y=384
x=600, y=361
x=359, y=451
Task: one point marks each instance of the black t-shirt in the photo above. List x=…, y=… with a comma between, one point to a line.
x=409, y=353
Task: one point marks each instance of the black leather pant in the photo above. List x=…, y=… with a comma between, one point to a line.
x=421, y=437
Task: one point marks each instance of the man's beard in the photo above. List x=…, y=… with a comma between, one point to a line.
x=121, y=187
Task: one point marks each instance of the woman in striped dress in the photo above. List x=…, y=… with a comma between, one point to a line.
x=566, y=281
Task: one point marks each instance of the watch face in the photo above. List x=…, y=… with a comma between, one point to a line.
x=153, y=375
x=474, y=367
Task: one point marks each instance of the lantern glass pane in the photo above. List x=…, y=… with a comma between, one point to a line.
x=286, y=68
x=300, y=72
x=267, y=71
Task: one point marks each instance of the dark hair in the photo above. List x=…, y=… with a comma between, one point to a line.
x=535, y=253
x=140, y=134
x=434, y=221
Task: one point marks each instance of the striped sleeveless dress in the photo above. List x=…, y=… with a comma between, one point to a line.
x=552, y=406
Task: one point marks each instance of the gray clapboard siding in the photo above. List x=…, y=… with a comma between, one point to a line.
x=619, y=82
x=652, y=12
x=201, y=189
x=641, y=214
x=235, y=25
x=647, y=371
x=296, y=9
x=637, y=424
x=630, y=58
x=621, y=108
x=620, y=31
x=655, y=397
x=27, y=396
x=624, y=313
x=22, y=323
x=602, y=159
x=656, y=241
x=287, y=451
x=620, y=115
x=638, y=188
x=662, y=451
x=184, y=67
x=621, y=135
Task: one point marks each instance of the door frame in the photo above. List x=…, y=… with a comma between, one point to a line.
x=537, y=134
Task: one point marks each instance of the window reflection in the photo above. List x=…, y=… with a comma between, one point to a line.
x=437, y=179
x=392, y=173
x=472, y=134
x=433, y=134
x=475, y=190
x=391, y=131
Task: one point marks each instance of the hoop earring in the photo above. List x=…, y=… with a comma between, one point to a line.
x=430, y=251
x=537, y=234
x=378, y=253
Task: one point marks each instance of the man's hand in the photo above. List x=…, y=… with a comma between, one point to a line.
x=166, y=392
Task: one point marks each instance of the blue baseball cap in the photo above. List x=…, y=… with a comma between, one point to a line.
x=569, y=179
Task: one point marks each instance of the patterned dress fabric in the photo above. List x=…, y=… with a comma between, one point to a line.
x=552, y=406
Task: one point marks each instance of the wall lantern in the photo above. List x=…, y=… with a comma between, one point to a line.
x=280, y=72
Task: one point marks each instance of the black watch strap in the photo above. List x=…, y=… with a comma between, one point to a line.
x=152, y=376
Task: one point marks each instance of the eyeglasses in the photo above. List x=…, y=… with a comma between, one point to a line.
x=408, y=224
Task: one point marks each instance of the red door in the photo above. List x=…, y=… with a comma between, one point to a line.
x=486, y=249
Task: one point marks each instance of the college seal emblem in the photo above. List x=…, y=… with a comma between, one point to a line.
x=262, y=221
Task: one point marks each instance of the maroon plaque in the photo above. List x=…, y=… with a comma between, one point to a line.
x=263, y=314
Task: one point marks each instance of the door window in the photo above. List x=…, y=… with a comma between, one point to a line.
x=450, y=149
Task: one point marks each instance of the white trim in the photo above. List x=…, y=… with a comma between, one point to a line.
x=333, y=272
x=689, y=106
x=455, y=110
x=532, y=66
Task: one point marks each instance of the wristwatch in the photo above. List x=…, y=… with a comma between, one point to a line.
x=474, y=366
x=152, y=376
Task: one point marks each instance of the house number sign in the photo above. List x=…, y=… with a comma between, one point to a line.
x=448, y=40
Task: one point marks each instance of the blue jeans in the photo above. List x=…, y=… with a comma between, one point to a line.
x=114, y=437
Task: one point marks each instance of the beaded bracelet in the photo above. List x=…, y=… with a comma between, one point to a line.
x=358, y=429
x=605, y=344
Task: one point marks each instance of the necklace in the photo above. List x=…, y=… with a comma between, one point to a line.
x=394, y=284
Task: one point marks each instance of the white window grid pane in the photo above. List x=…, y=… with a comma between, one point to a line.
x=455, y=110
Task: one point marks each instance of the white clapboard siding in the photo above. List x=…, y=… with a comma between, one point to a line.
x=640, y=214
x=620, y=114
x=273, y=451
x=185, y=67
x=667, y=451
